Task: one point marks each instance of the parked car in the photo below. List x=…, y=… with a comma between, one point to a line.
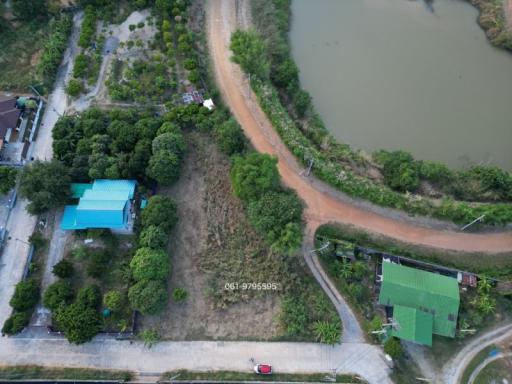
x=263, y=369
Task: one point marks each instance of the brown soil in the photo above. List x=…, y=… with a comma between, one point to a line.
x=323, y=203
x=207, y=210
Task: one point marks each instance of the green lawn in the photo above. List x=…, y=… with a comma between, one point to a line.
x=25, y=372
x=239, y=376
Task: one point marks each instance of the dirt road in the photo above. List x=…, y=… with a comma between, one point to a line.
x=323, y=203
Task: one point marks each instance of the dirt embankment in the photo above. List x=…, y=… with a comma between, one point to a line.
x=323, y=203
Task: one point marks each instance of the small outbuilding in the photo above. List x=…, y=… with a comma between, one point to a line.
x=103, y=204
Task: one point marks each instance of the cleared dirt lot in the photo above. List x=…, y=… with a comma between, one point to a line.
x=202, y=191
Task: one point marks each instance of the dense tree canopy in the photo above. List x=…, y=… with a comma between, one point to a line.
x=148, y=297
x=150, y=264
x=26, y=295
x=161, y=211
x=230, y=137
x=7, y=179
x=45, y=185
x=250, y=52
x=253, y=175
x=58, y=294
x=78, y=322
x=153, y=237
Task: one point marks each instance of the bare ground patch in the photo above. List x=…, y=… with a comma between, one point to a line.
x=212, y=226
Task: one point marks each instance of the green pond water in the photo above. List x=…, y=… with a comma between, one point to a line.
x=394, y=74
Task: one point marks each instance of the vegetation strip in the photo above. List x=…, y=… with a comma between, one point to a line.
x=266, y=57
x=34, y=372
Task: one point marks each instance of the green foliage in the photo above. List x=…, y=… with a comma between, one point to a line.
x=150, y=264
x=45, y=185
x=15, y=323
x=26, y=295
x=393, y=348
x=88, y=28
x=400, y=170
x=327, y=332
x=179, y=294
x=29, y=11
x=286, y=73
x=97, y=263
x=78, y=322
x=230, y=137
x=58, y=294
x=113, y=300
x=148, y=297
x=161, y=211
x=74, y=87
x=80, y=66
x=253, y=175
x=165, y=163
x=7, y=179
x=436, y=172
x=150, y=337
x=63, y=269
x=153, y=237
x=250, y=53
x=89, y=297
x=293, y=315
x=277, y=215
x=54, y=48
x=302, y=102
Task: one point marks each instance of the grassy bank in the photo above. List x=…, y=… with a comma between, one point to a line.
x=35, y=372
x=498, y=265
x=229, y=376
x=493, y=21
x=390, y=179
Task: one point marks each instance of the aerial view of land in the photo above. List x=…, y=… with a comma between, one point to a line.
x=227, y=191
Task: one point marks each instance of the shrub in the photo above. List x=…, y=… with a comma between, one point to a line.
x=140, y=24
x=88, y=27
x=15, y=323
x=7, y=179
x=250, y=53
x=78, y=322
x=173, y=142
x=400, y=170
x=436, y=172
x=26, y=295
x=161, y=211
x=150, y=337
x=58, y=294
x=179, y=295
x=45, y=185
x=113, y=300
x=253, y=175
x=302, y=102
x=153, y=237
x=393, y=348
x=168, y=127
x=81, y=65
x=97, y=263
x=63, y=269
x=148, y=297
x=150, y=264
x=293, y=316
x=89, y=297
x=230, y=137
x=327, y=332
x=54, y=48
x=132, y=27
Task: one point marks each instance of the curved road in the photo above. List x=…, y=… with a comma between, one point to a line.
x=323, y=203
x=454, y=369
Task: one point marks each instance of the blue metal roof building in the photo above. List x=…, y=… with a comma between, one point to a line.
x=106, y=204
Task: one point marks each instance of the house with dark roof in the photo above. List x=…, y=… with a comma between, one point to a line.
x=423, y=303
x=9, y=117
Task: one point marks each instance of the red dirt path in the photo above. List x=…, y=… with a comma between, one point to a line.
x=321, y=207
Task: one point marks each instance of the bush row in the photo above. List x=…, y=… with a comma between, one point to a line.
x=150, y=267
x=54, y=48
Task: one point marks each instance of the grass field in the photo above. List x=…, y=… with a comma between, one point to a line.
x=239, y=376
x=20, y=49
x=499, y=371
x=25, y=372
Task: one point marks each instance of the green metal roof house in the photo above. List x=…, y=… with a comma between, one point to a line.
x=424, y=303
x=103, y=204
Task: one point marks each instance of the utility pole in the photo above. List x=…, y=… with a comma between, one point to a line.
x=478, y=219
